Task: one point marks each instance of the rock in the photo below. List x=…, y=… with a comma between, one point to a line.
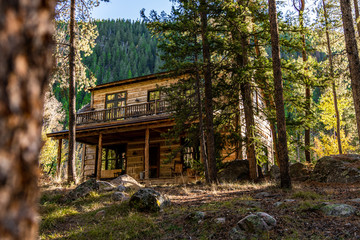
x=126, y=181
x=338, y=210
x=121, y=188
x=148, y=200
x=235, y=171
x=356, y=200
x=278, y=204
x=299, y=172
x=221, y=220
x=275, y=172
x=119, y=196
x=337, y=169
x=253, y=226
x=83, y=189
x=105, y=186
x=253, y=204
x=100, y=214
x=262, y=195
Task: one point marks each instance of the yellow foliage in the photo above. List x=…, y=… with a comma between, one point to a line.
x=326, y=145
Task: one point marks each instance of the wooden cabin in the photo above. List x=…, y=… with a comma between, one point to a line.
x=122, y=127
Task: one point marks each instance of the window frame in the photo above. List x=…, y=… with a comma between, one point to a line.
x=116, y=100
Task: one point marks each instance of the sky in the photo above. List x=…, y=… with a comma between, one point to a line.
x=129, y=9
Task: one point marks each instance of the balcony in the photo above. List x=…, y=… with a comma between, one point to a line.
x=122, y=113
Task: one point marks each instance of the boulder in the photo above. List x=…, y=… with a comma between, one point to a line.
x=83, y=189
x=235, y=171
x=275, y=172
x=338, y=210
x=148, y=200
x=299, y=172
x=337, y=169
x=253, y=226
x=126, y=181
x=105, y=186
x=119, y=196
x=121, y=188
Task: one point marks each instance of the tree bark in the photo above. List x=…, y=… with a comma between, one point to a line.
x=26, y=61
x=279, y=101
x=353, y=56
x=245, y=89
x=72, y=99
x=208, y=94
x=307, y=86
x=357, y=15
x=338, y=137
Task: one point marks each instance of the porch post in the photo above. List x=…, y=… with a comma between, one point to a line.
x=83, y=162
x=58, y=159
x=147, y=137
x=99, y=160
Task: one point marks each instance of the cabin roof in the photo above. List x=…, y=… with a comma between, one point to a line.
x=130, y=80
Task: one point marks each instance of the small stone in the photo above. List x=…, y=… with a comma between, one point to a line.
x=262, y=195
x=278, y=204
x=356, y=200
x=220, y=220
x=289, y=200
x=100, y=214
x=119, y=196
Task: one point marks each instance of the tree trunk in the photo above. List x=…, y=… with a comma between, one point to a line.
x=279, y=101
x=72, y=99
x=26, y=61
x=208, y=94
x=357, y=15
x=353, y=56
x=307, y=86
x=332, y=77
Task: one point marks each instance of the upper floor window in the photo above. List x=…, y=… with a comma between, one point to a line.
x=153, y=95
x=115, y=100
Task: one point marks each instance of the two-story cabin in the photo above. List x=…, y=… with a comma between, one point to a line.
x=122, y=127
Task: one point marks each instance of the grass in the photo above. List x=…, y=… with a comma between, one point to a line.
x=306, y=195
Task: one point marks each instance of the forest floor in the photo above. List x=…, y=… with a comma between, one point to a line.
x=298, y=217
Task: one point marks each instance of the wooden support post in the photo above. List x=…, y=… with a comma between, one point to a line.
x=98, y=174
x=58, y=166
x=83, y=157
x=147, y=162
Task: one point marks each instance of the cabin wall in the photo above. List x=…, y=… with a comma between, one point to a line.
x=90, y=159
x=135, y=157
x=135, y=91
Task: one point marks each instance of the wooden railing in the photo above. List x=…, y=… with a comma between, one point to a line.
x=121, y=113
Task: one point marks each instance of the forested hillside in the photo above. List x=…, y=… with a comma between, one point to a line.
x=124, y=49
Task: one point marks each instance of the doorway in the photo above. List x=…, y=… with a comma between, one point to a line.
x=154, y=161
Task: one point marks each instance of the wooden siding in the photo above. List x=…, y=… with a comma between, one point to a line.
x=135, y=158
x=135, y=91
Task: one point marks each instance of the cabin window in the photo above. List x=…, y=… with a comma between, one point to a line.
x=115, y=100
x=153, y=95
x=114, y=158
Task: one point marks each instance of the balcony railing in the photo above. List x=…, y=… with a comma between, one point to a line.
x=121, y=113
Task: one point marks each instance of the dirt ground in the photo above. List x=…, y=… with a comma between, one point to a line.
x=298, y=215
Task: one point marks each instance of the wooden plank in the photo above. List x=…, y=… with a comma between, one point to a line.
x=58, y=159
x=147, y=162
x=98, y=174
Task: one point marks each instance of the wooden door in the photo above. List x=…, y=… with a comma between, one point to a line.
x=154, y=161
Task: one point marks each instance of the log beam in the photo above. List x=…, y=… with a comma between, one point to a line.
x=99, y=160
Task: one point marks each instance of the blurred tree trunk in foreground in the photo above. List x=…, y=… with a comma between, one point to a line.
x=26, y=60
